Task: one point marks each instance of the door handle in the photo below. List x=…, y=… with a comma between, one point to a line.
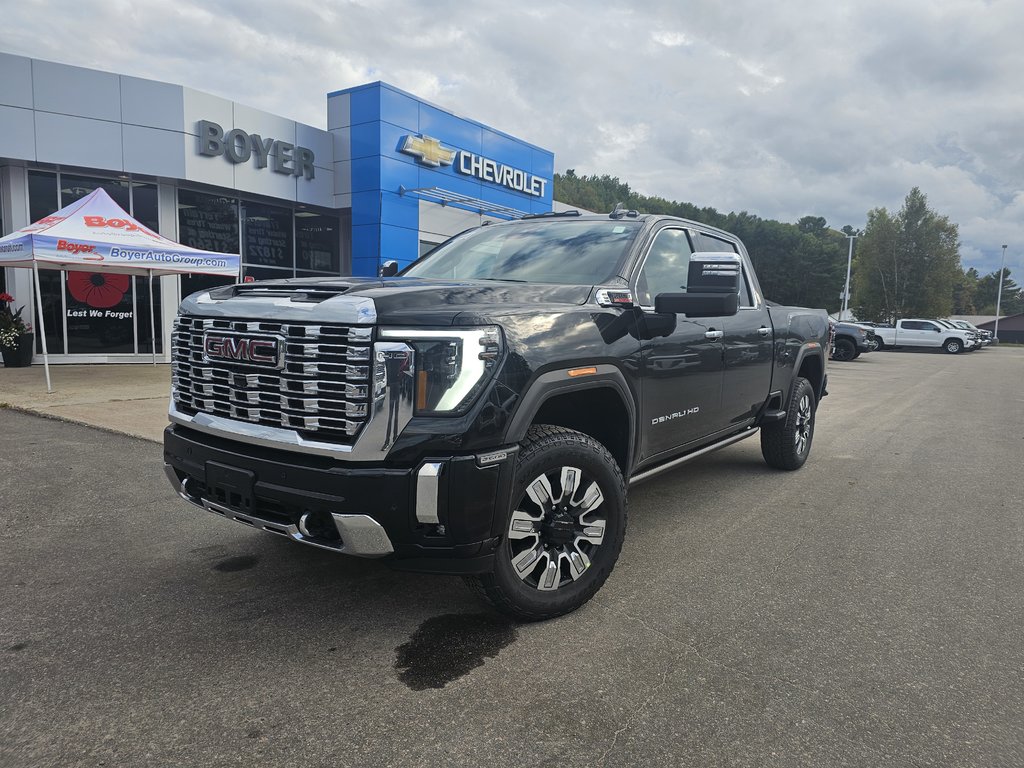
x=764, y=331
x=714, y=334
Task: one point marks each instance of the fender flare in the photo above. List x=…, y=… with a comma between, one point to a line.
x=558, y=382
x=808, y=350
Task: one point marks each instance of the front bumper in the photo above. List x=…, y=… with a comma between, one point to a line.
x=442, y=515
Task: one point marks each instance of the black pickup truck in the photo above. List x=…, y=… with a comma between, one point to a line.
x=484, y=412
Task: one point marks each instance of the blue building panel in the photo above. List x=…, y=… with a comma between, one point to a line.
x=512, y=152
x=366, y=208
x=543, y=164
x=399, y=109
x=365, y=249
x=365, y=140
x=399, y=243
x=451, y=130
x=365, y=104
x=394, y=174
x=400, y=210
x=366, y=174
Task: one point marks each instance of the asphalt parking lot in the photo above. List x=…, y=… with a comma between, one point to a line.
x=866, y=610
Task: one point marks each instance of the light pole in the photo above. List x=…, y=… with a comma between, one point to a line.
x=846, y=290
x=999, y=296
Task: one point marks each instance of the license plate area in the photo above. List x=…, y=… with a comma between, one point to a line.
x=230, y=486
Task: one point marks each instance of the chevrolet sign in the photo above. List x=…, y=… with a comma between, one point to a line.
x=431, y=152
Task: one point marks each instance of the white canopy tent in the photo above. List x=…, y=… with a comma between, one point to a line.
x=95, y=234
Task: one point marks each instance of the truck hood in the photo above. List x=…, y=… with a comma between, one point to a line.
x=393, y=300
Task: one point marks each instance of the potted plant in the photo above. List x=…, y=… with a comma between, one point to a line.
x=16, y=337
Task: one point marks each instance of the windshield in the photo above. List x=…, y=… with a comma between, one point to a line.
x=543, y=251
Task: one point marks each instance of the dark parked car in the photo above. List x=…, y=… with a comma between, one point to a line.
x=851, y=341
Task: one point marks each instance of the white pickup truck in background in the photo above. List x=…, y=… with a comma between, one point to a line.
x=926, y=333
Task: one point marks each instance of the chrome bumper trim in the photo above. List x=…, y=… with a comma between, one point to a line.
x=427, y=484
x=361, y=535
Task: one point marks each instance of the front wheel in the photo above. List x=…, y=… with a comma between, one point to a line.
x=564, y=530
x=953, y=346
x=844, y=350
x=786, y=444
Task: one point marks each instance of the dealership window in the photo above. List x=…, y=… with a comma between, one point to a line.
x=267, y=237
x=73, y=188
x=317, y=240
x=208, y=222
x=95, y=312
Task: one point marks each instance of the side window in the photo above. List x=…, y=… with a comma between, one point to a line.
x=914, y=325
x=666, y=267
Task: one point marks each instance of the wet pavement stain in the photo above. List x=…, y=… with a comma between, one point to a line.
x=445, y=648
x=18, y=647
x=239, y=563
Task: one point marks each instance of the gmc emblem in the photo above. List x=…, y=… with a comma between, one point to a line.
x=244, y=350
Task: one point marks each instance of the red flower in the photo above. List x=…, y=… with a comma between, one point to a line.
x=96, y=289
x=6, y=298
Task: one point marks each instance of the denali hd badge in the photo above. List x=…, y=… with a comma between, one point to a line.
x=263, y=351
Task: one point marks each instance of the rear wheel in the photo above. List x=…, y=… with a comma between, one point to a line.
x=953, y=346
x=786, y=444
x=879, y=344
x=564, y=530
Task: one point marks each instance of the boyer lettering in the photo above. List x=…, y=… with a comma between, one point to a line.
x=237, y=146
x=75, y=248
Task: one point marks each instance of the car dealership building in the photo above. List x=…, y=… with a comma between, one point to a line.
x=391, y=177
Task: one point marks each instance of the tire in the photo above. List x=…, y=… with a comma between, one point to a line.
x=879, y=344
x=786, y=444
x=554, y=556
x=953, y=346
x=873, y=345
x=844, y=350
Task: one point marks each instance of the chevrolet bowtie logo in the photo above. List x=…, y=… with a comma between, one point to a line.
x=427, y=150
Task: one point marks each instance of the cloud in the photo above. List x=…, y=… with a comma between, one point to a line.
x=828, y=109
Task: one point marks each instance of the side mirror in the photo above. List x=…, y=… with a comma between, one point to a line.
x=389, y=269
x=697, y=304
x=714, y=272
x=712, y=287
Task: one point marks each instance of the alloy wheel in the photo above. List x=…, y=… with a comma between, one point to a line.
x=803, y=424
x=553, y=538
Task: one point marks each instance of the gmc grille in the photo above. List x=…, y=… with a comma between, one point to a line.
x=322, y=390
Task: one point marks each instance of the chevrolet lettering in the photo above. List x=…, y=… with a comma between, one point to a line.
x=489, y=170
x=484, y=412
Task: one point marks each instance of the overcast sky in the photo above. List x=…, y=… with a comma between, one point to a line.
x=779, y=109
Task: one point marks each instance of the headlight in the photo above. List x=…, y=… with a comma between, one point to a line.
x=451, y=365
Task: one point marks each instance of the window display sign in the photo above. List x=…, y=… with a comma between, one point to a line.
x=100, y=313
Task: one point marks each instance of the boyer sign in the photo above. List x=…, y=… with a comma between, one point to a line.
x=237, y=146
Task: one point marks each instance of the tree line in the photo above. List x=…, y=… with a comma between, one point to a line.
x=906, y=263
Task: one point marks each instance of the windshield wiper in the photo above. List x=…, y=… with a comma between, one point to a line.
x=501, y=279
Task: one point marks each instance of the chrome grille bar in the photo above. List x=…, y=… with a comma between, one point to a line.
x=323, y=388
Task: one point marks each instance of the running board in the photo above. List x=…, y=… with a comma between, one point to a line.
x=649, y=473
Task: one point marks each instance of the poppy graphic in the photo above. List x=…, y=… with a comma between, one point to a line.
x=96, y=289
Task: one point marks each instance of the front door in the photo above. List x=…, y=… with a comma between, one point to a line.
x=682, y=371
